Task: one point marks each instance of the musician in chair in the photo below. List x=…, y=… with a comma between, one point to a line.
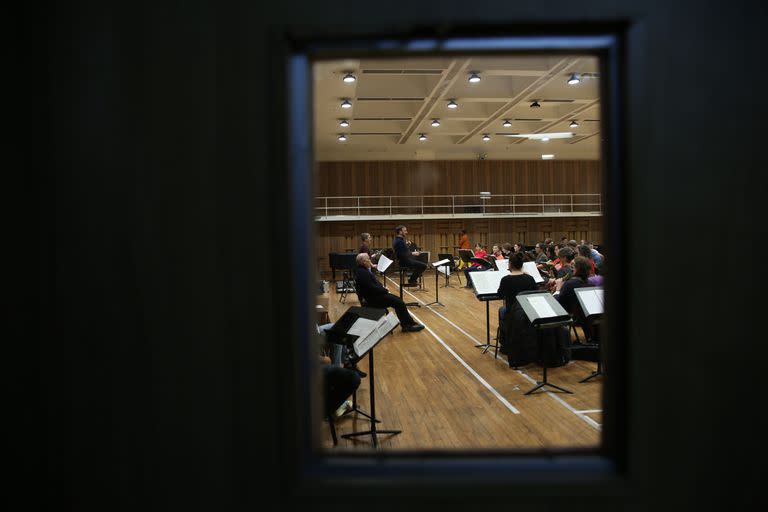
x=373, y=294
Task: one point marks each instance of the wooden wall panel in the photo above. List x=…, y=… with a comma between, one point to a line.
x=417, y=178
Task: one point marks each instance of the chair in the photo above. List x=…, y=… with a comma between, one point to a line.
x=452, y=268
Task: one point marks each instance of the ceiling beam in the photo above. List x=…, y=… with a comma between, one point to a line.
x=447, y=79
x=569, y=115
x=553, y=73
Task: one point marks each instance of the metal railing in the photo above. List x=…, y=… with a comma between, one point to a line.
x=454, y=205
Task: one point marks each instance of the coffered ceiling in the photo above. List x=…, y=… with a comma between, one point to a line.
x=394, y=101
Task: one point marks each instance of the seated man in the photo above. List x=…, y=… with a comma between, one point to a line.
x=377, y=296
x=405, y=257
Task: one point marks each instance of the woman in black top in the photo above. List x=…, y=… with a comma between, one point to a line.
x=518, y=339
x=515, y=283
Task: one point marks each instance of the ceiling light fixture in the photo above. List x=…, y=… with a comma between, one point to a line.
x=486, y=137
x=344, y=123
x=349, y=78
x=573, y=124
x=506, y=123
x=574, y=79
x=547, y=157
x=346, y=104
x=342, y=137
x=452, y=104
x=542, y=136
x=422, y=137
x=435, y=123
x=474, y=78
x=535, y=104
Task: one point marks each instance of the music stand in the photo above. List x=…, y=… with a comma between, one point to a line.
x=591, y=302
x=364, y=345
x=449, y=267
x=486, y=285
x=465, y=255
x=544, y=312
x=435, y=265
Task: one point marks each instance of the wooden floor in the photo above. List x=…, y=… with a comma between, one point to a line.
x=444, y=393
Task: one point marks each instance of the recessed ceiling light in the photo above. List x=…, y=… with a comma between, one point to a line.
x=573, y=124
x=435, y=123
x=346, y=104
x=422, y=137
x=544, y=139
x=349, y=78
x=535, y=104
x=474, y=78
x=453, y=104
x=574, y=79
x=506, y=123
x=342, y=137
x=547, y=157
x=344, y=123
x=486, y=137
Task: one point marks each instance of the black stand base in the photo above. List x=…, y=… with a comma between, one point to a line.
x=373, y=432
x=437, y=294
x=544, y=381
x=593, y=374
x=487, y=345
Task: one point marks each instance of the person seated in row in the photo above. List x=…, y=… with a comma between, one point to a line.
x=507, y=250
x=516, y=336
x=479, y=252
x=586, y=253
x=375, y=295
x=563, y=270
x=565, y=292
x=497, y=253
x=405, y=257
x=366, y=248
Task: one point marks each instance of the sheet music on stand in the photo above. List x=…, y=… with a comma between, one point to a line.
x=442, y=266
x=529, y=267
x=375, y=333
x=487, y=282
x=383, y=264
x=542, y=308
x=591, y=300
x=354, y=325
x=502, y=264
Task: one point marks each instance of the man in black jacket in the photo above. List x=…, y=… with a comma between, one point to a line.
x=405, y=257
x=377, y=296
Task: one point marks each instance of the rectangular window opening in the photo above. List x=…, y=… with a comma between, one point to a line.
x=530, y=153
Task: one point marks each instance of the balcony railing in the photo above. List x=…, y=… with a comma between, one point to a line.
x=459, y=206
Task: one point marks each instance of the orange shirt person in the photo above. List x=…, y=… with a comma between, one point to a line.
x=463, y=240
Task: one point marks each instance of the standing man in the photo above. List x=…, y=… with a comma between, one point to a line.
x=405, y=256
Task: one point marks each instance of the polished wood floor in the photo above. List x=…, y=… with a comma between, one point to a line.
x=445, y=393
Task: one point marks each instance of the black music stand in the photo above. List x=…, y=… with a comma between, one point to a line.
x=437, y=287
x=450, y=267
x=591, y=301
x=533, y=303
x=466, y=255
x=364, y=346
x=486, y=285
